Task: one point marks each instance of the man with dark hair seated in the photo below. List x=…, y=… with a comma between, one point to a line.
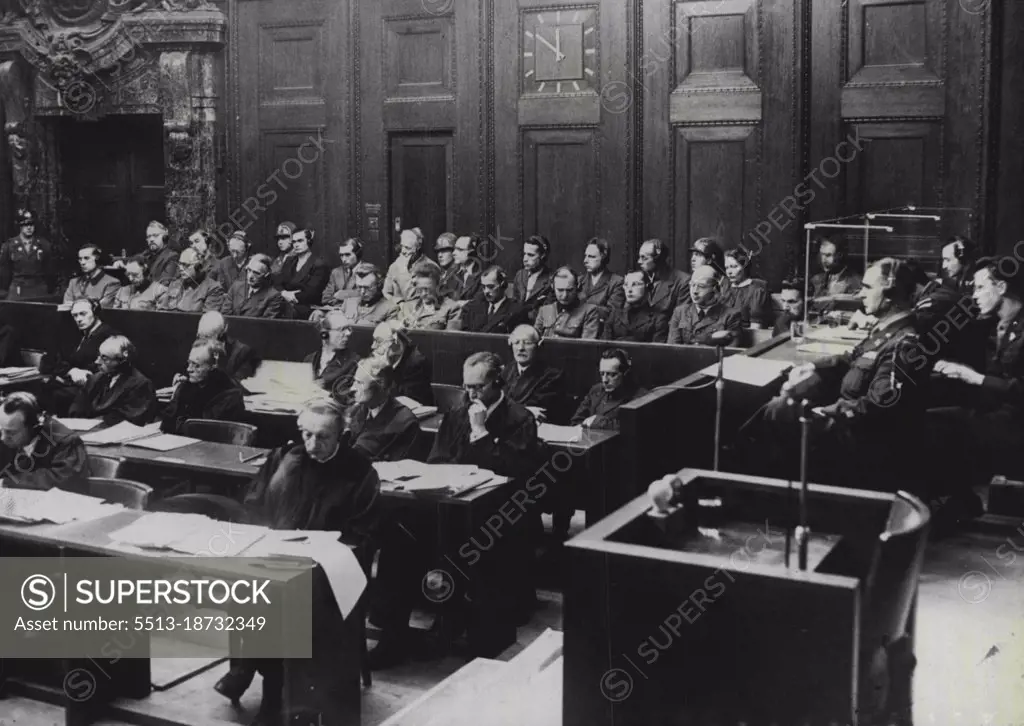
x=792, y=305
x=204, y=391
x=600, y=408
x=94, y=283
x=38, y=451
x=320, y=484
x=493, y=311
x=380, y=427
x=253, y=295
x=119, y=391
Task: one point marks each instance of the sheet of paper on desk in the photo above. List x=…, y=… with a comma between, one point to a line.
x=81, y=424
x=554, y=434
x=17, y=371
x=164, y=442
x=825, y=348
x=339, y=563
x=277, y=375
x=165, y=394
x=193, y=534
x=752, y=371
x=121, y=433
x=54, y=505
x=835, y=335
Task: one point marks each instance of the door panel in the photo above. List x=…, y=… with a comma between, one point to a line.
x=421, y=184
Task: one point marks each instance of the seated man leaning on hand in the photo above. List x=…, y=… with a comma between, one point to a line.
x=205, y=391
x=118, y=391
x=36, y=450
x=380, y=427
x=600, y=408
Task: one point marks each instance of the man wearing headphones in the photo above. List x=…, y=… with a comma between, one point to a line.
x=93, y=283
x=568, y=317
x=465, y=281
x=203, y=391
x=666, y=286
x=530, y=381
x=36, y=450
x=231, y=267
x=835, y=277
x=413, y=370
x=118, y=391
x=334, y=364
x=532, y=284
x=704, y=313
x=493, y=311
x=380, y=427
x=599, y=409
x=254, y=296
x=240, y=360
x=341, y=285
x=161, y=259
x=72, y=366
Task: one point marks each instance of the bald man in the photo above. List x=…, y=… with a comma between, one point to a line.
x=239, y=360
x=193, y=291
x=697, y=319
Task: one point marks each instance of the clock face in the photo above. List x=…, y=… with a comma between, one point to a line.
x=560, y=51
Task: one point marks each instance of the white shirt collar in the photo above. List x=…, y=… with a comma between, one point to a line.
x=374, y=412
x=30, y=447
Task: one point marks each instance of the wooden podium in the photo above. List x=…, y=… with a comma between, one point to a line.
x=695, y=618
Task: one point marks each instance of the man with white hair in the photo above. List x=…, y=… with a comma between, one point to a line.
x=193, y=291
x=239, y=361
x=531, y=381
x=398, y=285
x=334, y=364
x=204, y=390
x=119, y=391
x=704, y=314
x=254, y=296
x=231, y=267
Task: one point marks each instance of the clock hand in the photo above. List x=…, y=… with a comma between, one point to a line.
x=544, y=40
x=559, y=55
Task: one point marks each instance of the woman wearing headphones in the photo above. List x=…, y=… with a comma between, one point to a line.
x=746, y=294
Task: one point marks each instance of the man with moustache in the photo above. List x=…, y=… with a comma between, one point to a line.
x=341, y=285
x=371, y=307
x=636, y=320
x=254, y=296
x=380, y=427
x=231, y=267
x=161, y=259
x=568, y=317
x=204, y=391
x=666, y=287
x=334, y=364
x=93, y=283
x=118, y=391
x=141, y=292
x=696, y=320
x=399, y=285
x=27, y=263
x=493, y=311
x=530, y=381
x=193, y=291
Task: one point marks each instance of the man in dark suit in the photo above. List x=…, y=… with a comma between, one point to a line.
x=334, y=364
x=71, y=367
x=532, y=284
x=530, y=381
x=493, y=311
x=600, y=286
x=792, y=305
x=380, y=427
x=205, y=391
x=694, y=321
x=254, y=296
x=162, y=259
x=231, y=268
x=119, y=391
x=600, y=408
x=835, y=278
x=304, y=275
x=464, y=283
x=413, y=371
x=239, y=361
x=666, y=286
x=636, y=320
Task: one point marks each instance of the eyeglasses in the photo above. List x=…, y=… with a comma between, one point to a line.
x=475, y=387
x=109, y=358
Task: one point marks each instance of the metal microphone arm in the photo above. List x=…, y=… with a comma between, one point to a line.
x=803, y=531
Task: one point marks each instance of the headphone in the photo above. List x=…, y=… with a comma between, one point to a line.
x=625, y=362
x=603, y=248
x=94, y=305
x=963, y=248
x=27, y=404
x=899, y=275
x=660, y=250
x=541, y=243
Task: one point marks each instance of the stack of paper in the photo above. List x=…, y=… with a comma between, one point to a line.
x=164, y=442
x=415, y=476
x=835, y=335
x=752, y=371
x=418, y=409
x=30, y=506
x=555, y=434
x=81, y=424
x=17, y=371
x=165, y=394
x=192, y=534
x=820, y=348
x=121, y=433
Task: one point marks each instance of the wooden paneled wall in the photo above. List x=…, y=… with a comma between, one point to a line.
x=626, y=119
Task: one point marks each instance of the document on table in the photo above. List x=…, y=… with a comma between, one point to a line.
x=121, y=433
x=80, y=424
x=165, y=394
x=32, y=506
x=338, y=561
x=415, y=476
x=752, y=371
x=17, y=371
x=192, y=534
x=555, y=434
x=164, y=442
x=825, y=348
x=835, y=335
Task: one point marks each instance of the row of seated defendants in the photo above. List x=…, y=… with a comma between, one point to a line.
x=653, y=303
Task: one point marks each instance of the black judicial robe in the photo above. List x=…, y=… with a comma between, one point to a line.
x=539, y=385
x=392, y=435
x=59, y=459
x=337, y=376
x=294, y=491
x=219, y=397
x=413, y=374
x=131, y=398
x=240, y=361
x=510, y=448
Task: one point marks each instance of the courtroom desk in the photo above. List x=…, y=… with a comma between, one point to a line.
x=327, y=684
x=665, y=623
x=594, y=485
x=474, y=556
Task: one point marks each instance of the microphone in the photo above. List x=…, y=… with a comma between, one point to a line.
x=722, y=338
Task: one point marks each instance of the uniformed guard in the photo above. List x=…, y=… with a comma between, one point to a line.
x=868, y=404
x=26, y=262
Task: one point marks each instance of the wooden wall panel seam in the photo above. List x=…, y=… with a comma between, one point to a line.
x=940, y=184
x=759, y=190
x=355, y=171
x=985, y=112
x=234, y=198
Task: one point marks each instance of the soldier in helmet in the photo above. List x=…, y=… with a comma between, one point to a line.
x=26, y=262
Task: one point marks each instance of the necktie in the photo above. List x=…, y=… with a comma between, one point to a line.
x=494, y=308
x=701, y=314
x=1001, y=333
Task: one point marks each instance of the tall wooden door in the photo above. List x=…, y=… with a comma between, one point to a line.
x=291, y=132
x=112, y=180
x=721, y=120
x=421, y=118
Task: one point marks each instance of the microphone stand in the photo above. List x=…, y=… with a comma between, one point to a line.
x=719, y=401
x=803, y=531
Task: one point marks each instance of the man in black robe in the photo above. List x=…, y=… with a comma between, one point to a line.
x=320, y=484
x=380, y=427
x=119, y=391
x=530, y=381
x=204, y=391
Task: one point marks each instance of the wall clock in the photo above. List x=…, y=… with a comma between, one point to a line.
x=560, y=51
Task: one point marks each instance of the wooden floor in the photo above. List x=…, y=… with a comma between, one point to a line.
x=970, y=650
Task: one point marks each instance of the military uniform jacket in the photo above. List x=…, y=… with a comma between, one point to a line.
x=606, y=292
x=131, y=398
x=605, y=406
x=446, y=315
x=1003, y=387
x=26, y=269
x=843, y=282
x=189, y=297
x=582, y=320
x=668, y=288
x=227, y=272
x=265, y=303
x=688, y=327
x=100, y=286
x=128, y=298
x=885, y=376
x=372, y=314
x=638, y=323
